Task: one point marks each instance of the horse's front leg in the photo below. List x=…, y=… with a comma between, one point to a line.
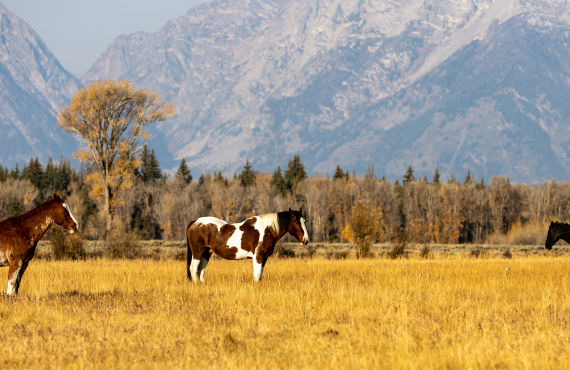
x=16, y=270
x=258, y=267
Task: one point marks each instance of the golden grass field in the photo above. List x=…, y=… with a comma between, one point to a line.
x=444, y=312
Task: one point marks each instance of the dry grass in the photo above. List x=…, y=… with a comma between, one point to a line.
x=452, y=312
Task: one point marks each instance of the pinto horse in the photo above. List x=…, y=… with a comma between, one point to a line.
x=19, y=236
x=253, y=238
x=557, y=231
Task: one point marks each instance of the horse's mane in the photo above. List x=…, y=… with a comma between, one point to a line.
x=41, y=209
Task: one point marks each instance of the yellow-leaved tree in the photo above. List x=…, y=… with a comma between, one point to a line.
x=111, y=118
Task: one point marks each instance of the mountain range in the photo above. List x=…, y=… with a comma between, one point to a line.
x=457, y=85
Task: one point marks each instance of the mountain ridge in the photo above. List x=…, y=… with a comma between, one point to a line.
x=358, y=83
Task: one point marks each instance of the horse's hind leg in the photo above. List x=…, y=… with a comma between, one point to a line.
x=15, y=273
x=203, y=263
x=193, y=269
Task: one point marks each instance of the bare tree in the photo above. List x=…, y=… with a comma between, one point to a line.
x=111, y=117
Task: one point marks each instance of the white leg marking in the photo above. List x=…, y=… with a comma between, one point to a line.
x=194, y=269
x=12, y=281
x=257, y=270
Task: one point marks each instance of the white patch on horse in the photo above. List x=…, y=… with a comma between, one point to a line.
x=235, y=242
x=264, y=221
x=211, y=221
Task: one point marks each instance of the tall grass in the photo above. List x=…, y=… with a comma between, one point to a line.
x=316, y=313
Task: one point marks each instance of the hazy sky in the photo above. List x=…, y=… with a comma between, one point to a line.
x=78, y=31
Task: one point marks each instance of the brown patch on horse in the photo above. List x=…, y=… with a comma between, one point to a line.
x=202, y=236
x=267, y=245
x=250, y=237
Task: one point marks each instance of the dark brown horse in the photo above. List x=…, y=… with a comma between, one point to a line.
x=253, y=238
x=19, y=236
x=557, y=231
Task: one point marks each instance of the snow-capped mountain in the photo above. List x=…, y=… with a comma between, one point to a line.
x=33, y=87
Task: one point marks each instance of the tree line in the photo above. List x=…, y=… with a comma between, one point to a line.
x=342, y=208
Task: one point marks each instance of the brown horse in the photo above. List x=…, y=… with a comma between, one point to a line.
x=557, y=231
x=253, y=238
x=19, y=236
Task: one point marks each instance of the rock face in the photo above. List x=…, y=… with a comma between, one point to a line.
x=450, y=84
x=33, y=87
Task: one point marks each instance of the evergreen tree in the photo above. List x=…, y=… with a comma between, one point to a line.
x=370, y=172
x=481, y=184
x=150, y=169
x=35, y=174
x=15, y=173
x=58, y=177
x=339, y=174
x=88, y=207
x=468, y=179
x=247, y=175
x=295, y=173
x=219, y=178
x=3, y=174
x=409, y=176
x=278, y=182
x=435, y=180
x=15, y=208
x=183, y=174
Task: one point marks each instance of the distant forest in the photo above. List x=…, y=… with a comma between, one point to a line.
x=418, y=210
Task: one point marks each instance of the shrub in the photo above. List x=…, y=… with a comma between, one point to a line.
x=399, y=248
x=65, y=245
x=367, y=226
x=121, y=245
x=283, y=252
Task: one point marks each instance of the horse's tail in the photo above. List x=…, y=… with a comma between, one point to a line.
x=188, y=250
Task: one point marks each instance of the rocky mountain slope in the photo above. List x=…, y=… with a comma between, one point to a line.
x=449, y=84
x=33, y=87
x=479, y=85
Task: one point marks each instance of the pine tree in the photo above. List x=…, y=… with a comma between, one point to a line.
x=15, y=173
x=409, y=176
x=435, y=180
x=370, y=172
x=278, y=182
x=247, y=175
x=3, y=174
x=468, y=179
x=35, y=174
x=15, y=208
x=183, y=174
x=295, y=173
x=150, y=169
x=339, y=174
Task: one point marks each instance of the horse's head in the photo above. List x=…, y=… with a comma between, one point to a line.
x=62, y=215
x=554, y=233
x=297, y=226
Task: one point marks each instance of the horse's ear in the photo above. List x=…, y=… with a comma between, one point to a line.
x=56, y=197
x=301, y=210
